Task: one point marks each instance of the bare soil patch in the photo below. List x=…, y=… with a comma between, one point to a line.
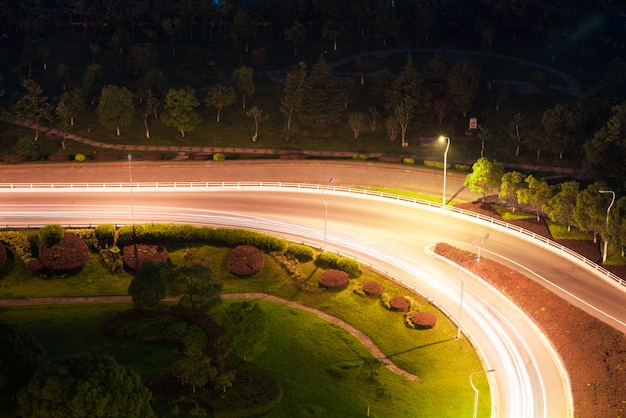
x=593, y=352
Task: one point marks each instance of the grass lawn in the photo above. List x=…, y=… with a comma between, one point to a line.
x=313, y=359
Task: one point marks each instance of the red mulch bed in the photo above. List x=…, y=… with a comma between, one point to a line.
x=593, y=352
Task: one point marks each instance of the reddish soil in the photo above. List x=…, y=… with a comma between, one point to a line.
x=594, y=353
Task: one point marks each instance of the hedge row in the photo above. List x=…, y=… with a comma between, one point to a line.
x=333, y=261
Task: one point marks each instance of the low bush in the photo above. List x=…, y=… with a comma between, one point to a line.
x=424, y=320
x=58, y=157
x=435, y=164
x=333, y=279
x=19, y=243
x=67, y=256
x=293, y=156
x=254, y=393
x=219, y=156
x=164, y=328
x=245, y=260
x=105, y=235
x=372, y=288
x=399, y=303
x=408, y=161
x=326, y=260
x=80, y=157
x=14, y=159
x=101, y=156
x=302, y=253
x=329, y=260
x=151, y=156
x=462, y=167
x=3, y=255
x=51, y=234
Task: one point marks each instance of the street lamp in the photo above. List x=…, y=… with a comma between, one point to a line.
x=326, y=211
x=458, y=274
x=480, y=243
x=476, y=390
x=608, y=210
x=445, y=166
x=130, y=177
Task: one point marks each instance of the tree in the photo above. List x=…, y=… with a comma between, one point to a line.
x=563, y=124
x=243, y=27
x=72, y=104
x=537, y=139
x=485, y=176
x=590, y=211
x=194, y=368
x=149, y=285
x=356, y=121
x=334, y=30
x=296, y=34
x=150, y=109
x=484, y=135
x=84, y=385
x=616, y=231
x=170, y=27
x=91, y=82
x=20, y=356
x=256, y=113
x=292, y=92
x=560, y=208
x=44, y=51
x=605, y=152
x=179, y=110
x=244, y=83
x=115, y=109
x=368, y=374
x=512, y=181
x=537, y=193
x=33, y=106
x=515, y=127
x=391, y=123
x=403, y=114
x=220, y=97
x=94, y=49
x=196, y=285
x=245, y=326
x=463, y=86
x=224, y=380
x=323, y=100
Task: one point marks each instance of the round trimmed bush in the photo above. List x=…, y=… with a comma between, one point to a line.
x=219, y=157
x=66, y=256
x=245, y=260
x=399, y=303
x=333, y=279
x=155, y=253
x=372, y=288
x=80, y=157
x=424, y=320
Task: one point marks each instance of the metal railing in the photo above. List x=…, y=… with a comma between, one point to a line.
x=352, y=191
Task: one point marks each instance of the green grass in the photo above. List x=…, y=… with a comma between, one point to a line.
x=313, y=359
x=508, y=214
x=560, y=232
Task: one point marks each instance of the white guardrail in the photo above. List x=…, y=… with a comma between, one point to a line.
x=240, y=185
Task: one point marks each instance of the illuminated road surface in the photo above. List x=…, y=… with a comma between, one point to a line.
x=393, y=238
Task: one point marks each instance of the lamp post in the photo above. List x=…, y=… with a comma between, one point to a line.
x=480, y=243
x=445, y=166
x=458, y=274
x=476, y=390
x=326, y=211
x=130, y=177
x=608, y=210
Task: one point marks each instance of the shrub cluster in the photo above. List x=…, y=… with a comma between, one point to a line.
x=245, y=260
x=333, y=261
x=219, y=156
x=80, y=157
x=105, y=235
x=164, y=328
x=69, y=255
x=51, y=234
x=423, y=320
x=101, y=156
x=333, y=279
x=151, y=156
x=435, y=164
x=408, y=161
x=302, y=253
x=135, y=255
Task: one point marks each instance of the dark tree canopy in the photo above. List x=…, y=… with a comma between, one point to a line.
x=85, y=385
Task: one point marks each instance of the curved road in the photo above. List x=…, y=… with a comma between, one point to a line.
x=528, y=381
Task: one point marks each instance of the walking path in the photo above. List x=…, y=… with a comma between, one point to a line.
x=362, y=337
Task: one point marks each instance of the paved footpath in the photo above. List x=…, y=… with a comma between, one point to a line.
x=362, y=337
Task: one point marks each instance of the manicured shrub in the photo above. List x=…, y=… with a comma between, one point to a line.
x=408, y=161
x=462, y=167
x=245, y=260
x=326, y=260
x=69, y=255
x=424, y=320
x=372, y=288
x=349, y=265
x=254, y=393
x=101, y=156
x=135, y=256
x=151, y=156
x=105, y=235
x=58, y=157
x=14, y=159
x=19, y=243
x=333, y=279
x=51, y=234
x=399, y=303
x=80, y=157
x=219, y=156
x=302, y=253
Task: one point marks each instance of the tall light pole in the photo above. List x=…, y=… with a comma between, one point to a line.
x=130, y=177
x=480, y=243
x=445, y=166
x=458, y=274
x=326, y=211
x=608, y=210
x=476, y=390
